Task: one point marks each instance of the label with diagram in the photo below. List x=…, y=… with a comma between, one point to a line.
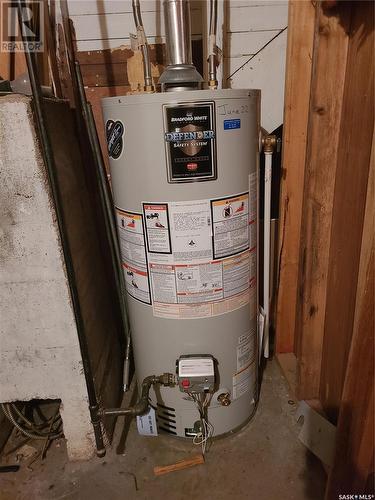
x=199, y=283
x=178, y=232
x=201, y=290
x=199, y=259
x=137, y=284
x=230, y=225
x=190, y=141
x=191, y=230
x=131, y=238
x=157, y=228
x=244, y=381
x=133, y=254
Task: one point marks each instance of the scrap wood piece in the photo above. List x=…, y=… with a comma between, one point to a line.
x=159, y=470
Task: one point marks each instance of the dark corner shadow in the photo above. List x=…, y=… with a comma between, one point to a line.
x=350, y=14
x=121, y=446
x=314, y=477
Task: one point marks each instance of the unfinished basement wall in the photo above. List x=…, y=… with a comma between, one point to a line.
x=40, y=354
x=39, y=351
x=252, y=35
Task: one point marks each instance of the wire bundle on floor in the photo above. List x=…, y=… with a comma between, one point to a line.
x=47, y=430
x=202, y=438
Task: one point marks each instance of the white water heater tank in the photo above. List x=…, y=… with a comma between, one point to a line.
x=184, y=169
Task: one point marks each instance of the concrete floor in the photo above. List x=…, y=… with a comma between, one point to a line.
x=264, y=461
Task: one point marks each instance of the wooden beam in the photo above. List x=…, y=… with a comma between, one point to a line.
x=348, y=206
x=296, y=109
x=106, y=68
x=4, y=65
x=353, y=466
x=63, y=66
x=12, y=65
x=327, y=88
x=110, y=67
x=50, y=36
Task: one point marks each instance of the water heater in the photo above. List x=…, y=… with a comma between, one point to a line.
x=184, y=177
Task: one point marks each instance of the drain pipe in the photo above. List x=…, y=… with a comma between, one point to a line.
x=142, y=42
x=212, y=79
x=51, y=170
x=267, y=247
x=269, y=145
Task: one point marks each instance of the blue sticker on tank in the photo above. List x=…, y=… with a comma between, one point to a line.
x=231, y=124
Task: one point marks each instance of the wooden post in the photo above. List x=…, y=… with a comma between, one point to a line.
x=327, y=89
x=349, y=205
x=296, y=108
x=352, y=470
x=4, y=65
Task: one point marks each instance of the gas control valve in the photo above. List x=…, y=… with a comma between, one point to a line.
x=196, y=373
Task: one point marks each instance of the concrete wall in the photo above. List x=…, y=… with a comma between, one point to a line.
x=39, y=351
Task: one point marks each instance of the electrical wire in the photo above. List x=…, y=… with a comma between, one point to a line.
x=203, y=437
x=35, y=431
x=33, y=425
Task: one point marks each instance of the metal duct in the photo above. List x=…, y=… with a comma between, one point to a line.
x=180, y=73
x=177, y=17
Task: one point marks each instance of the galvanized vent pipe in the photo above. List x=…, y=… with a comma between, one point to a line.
x=180, y=74
x=177, y=17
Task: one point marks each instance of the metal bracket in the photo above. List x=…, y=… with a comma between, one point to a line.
x=317, y=433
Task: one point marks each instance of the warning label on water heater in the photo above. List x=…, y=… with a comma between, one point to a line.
x=244, y=381
x=201, y=290
x=190, y=259
x=200, y=265
x=133, y=254
x=157, y=228
x=230, y=220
